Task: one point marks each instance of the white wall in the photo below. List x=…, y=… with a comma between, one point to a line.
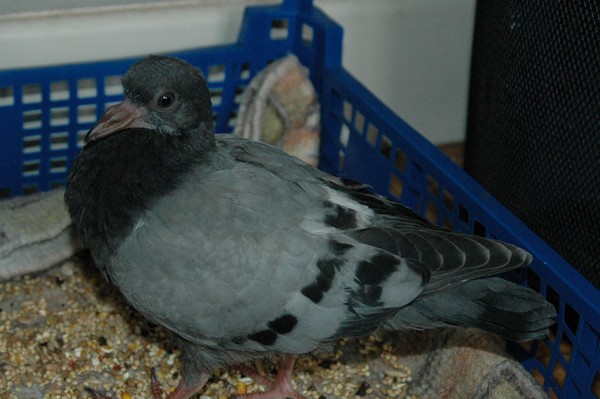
x=413, y=54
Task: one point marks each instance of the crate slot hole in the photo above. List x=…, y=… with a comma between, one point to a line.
x=86, y=88
x=59, y=116
x=372, y=133
x=571, y=318
x=59, y=90
x=359, y=122
x=543, y=353
x=231, y=119
x=5, y=192
x=59, y=141
x=56, y=184
x=559, y=374
x=396, y=186
x=448, y=200
x=566, y=348
x=279, y=29
x=58, y=165
x=31, y=168
x=431, y=212
x=81, y=137
x=401, y=160
x=32, y=119
x=433, y=186
x=216, y=96
x=112, y=85
x=32, y=93
x=245, y=71
x=386, y=147
x=7, y=97
x=216, y=73
x=239, y=94
x=347, y=111
x=447, y=223
x=86, y=113
x=32, y=144
x=31, y=189
x=479, y=229
x=344, y=135
x=341, y=159
x=552, y=296
x=307, y=34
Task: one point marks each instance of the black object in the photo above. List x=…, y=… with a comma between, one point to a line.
x=533, y=135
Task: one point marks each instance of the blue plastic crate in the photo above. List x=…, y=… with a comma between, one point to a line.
x=46, y=111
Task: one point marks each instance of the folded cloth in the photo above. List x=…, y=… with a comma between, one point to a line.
x=35, y=233
x=458, y=363
x=280, y=107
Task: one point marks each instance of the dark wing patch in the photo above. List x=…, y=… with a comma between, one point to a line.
x=376, y=270
x=368, y=295
x=280, y=326
x=339, y=217
x=339, y=248
x=264, y=337
x=283, y=324
x=314, y=292
x=322, y=284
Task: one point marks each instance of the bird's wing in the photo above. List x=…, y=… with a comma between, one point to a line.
x=450, y=258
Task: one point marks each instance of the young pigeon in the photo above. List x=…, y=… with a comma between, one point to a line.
x=244, y=252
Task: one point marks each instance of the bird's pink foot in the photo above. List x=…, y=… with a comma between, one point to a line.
x=280, y=387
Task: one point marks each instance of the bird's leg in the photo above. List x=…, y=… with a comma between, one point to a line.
x=281, y=387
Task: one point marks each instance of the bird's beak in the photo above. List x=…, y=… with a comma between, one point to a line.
x=118, y=117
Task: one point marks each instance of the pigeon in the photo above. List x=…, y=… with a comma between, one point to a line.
x=244, y=252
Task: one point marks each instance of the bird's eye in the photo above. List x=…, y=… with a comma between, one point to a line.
x=166, y=99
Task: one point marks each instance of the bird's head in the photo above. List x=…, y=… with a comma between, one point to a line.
x=163, y=94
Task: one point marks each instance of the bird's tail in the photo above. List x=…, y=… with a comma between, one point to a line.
x=492, y=304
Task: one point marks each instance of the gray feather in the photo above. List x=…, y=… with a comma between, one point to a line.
x=492, y=304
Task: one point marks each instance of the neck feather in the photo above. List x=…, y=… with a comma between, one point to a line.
x=113, y=181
